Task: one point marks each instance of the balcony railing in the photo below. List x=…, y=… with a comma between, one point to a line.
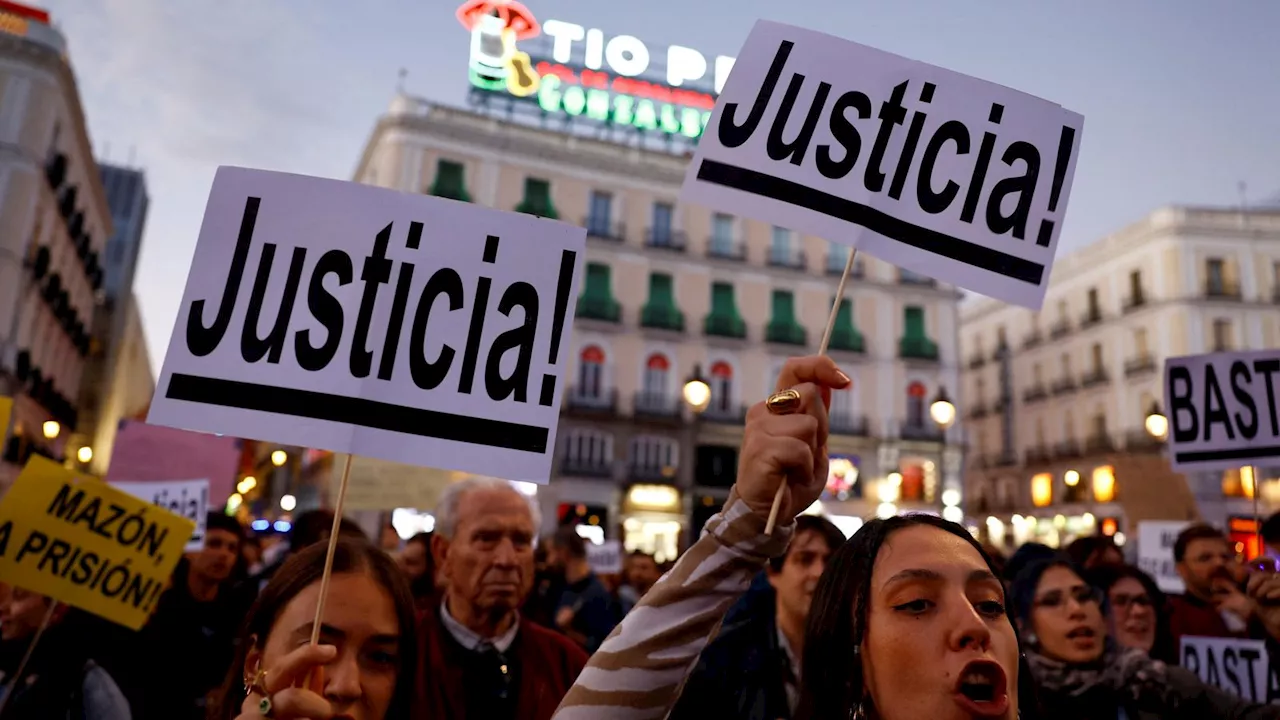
x=1099, y=443
x=726, y=249
x=792, y=258
x=1066, y=449
x=848, y=424
x=1094, y=378
x=925, y=431
x=835, y=265
x=646, y=472
x=586, y=467
x=1090, y=318
x=847, y=339
x=784, y=333
x=1060, y=329
x=1038, y=453
x=661, y=317
x=602, y=229
x=656, y=405
x=725, y=326
x=1033, y=338
x=1035, y=393
x=597, y=308
x=978, y=410
x=725, y=415
x=1222, y=290
x=1139, y=365
x=1000, y=352
x=1140, y=440
x=1063, y=386
x=665, y=239
x=1275, y=294
x=603, y=402
x=918, y=348
x=977, y=361
x=906, y=277
x=1133, y=302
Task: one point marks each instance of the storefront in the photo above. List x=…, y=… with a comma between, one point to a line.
x=652, y=522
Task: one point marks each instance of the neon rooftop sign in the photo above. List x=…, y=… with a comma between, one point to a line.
x=579, y=72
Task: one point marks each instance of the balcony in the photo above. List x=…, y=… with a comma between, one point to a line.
x=725, y=414
x=723, y=249
x=1032, y=339
x=977, y=361
x=978, y=410
x=725, y=326
x=998, y=407
x=661, y=317
x=835, y=265
x=1066, y=449
x=1094, y=378
x=1062, y=386
x=1099, y=443
x=906, y=277
x=1038, y=454
x=1003, y=459
x=1275, y=294
x=847, y=339
x=665, y=239
x=645, y=472
x=1060, y=329
x=586, y=467
x=850, y=425
x=1222, y=290
x=790, y=258
x=1140, y=365
x=923, y=431
x=1133, y=302
x=602, y=402
x=601, y=229
x=1001, y=351
x=1035, y=393
x=1090, y=318
x=785, y=333
x=918, y=348
x=1141, y=441
x=656, y=405
x=599, y=308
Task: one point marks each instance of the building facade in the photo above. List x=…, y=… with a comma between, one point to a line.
x=1056, y=400
x=54, y=222
x=670, y=291
x=118, y=379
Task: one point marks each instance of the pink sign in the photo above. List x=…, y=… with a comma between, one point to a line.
x=150, y=453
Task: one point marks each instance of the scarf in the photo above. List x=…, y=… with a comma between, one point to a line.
x=1126, y=674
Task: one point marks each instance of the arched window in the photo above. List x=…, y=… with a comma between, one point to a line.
x=722, y=386
x=591, y=372
x=657, y=372
x=916, y=393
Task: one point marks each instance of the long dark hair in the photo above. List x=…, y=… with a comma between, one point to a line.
x=832, y=677
x=295, y=575
x=1105, y=576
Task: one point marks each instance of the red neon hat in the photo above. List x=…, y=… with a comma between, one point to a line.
x=516, y=16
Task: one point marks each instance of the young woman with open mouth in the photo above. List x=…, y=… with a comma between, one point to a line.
x=1083, y=673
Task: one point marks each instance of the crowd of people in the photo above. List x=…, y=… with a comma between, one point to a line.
x=484, y=620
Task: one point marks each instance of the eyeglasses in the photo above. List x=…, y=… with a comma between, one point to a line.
x=1082, y=594
x=1124, y=602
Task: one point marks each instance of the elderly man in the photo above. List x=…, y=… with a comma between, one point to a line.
x=480, y=659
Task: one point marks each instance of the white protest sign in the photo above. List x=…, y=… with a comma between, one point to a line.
x=1238, y=666
x=185, y=498
x=949, y=176
x=362, y=320
x=1155, y=553
x=1223, y=409
x=605, y=558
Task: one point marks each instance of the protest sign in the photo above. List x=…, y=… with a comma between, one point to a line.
x=605, y=558
x=87, y=544
x=944, y=174
x=1222, y=409
x=1240, y=667
x=150, y=453
x=6, y=409
x=381, y=485
x=362, y=320
x=1155, y=552
x=185, y=498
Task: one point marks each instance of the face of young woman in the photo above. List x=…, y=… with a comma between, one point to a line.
x=938, y=643
x=1067, y=617
x=1134, y=614
x=360, y=621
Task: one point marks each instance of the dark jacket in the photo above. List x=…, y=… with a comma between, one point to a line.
x=740, y=675
x=1197, y=701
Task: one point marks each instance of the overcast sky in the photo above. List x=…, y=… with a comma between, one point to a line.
x=1180, y=97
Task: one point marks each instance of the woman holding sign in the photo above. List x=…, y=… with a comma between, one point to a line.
x=908, y=620
x=368, y=645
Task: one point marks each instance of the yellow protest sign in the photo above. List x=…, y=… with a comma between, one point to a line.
x=6, y=409
x=87, y=544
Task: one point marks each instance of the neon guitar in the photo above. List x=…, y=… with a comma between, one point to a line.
x=522, y=79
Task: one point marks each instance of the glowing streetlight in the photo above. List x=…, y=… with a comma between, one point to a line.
x=943, y=411
x=1156, y=423
x=288, y=503
x=951, y=498
x=279, y=457
x=1071, y=478
x=697, y=393
x=51, y=429
x=84, y=454
x=248, y=483
x=234, y=502
x=953, y=513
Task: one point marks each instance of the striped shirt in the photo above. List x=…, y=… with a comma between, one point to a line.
x=639, y=671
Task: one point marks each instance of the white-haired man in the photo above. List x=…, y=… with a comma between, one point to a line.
x=480, y=659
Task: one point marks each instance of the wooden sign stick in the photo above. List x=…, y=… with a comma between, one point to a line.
x=822, y=350
x=333, y=546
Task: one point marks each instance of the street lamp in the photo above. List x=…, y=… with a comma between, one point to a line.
x=697, y=393
x=51, y=429
x=943, y=411
x=279, y=457
x=1156, y=423
x=84, y=454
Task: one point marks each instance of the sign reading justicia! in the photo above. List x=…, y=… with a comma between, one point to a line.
x=583, y=72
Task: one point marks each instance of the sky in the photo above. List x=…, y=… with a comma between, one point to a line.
x=1180, y=97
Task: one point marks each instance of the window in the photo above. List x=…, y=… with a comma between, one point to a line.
x=1066, y=365
x=600, y=214
x=657, y=372
x=660, y=311
x=780, y=246
x=783, y=327
x=588, y=447
x=1094, y=310
x=658, y=453
x=1135, y=286
x=1040, y=432
x=591, y=372
x=842, y=404
x=1036, y=374
x=722, y=386
x=1099, y=426
x=916, y=393
x=1097, y=357
x=597, y=296
x=450, y=182
x=1062, y=311
x=660, y=232
x=1215, y=275
x=1222, y=335
x=838, y=257
x=913, y=322
x=721, y=234
x=1001, y=339
x=537, y=199
x=723, y=320
x=1068, y=427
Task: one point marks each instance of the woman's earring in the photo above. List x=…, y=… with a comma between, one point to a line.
x=1030, y=638
x=856, y=713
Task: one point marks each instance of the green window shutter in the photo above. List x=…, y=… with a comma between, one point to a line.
x=661, y=311
x=913, y=319
x=537, y=199
x=722, y=300
x=597, y=281
x=844, y=316
x=783, y=327
x=845, y=335
x=784, y=308
x=597, y=301
x=723, y=320
x=915, y=343
x=660, y=291
x=450, y=181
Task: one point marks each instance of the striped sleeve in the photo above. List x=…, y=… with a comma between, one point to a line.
x=638, y=672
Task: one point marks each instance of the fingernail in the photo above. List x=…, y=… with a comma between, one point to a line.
x=843, y=378
x=328, y=649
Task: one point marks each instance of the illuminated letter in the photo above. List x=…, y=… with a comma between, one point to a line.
x=565, y=34
x=627, y=55
x=723, y=66
x=595, y=49
x=549, y=93
x=684, y=64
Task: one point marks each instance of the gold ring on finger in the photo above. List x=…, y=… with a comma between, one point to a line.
x=783, y=402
